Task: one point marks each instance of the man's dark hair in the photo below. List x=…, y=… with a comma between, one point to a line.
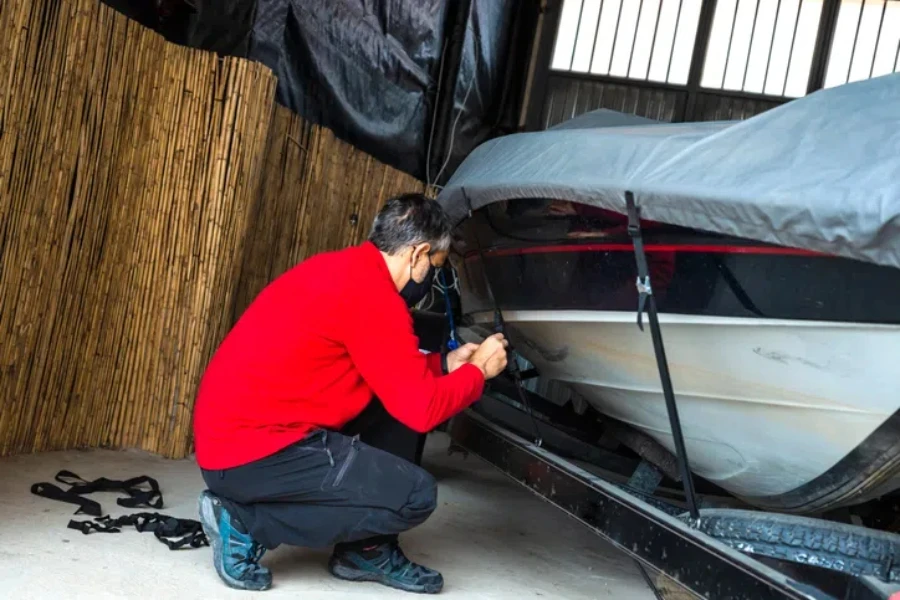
x=408, y=220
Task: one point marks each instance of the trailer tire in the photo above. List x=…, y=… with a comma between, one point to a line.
x=836, y=546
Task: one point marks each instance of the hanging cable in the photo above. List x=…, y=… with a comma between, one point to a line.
x=500, y=327
x=437, y=99
x=458, y=115
x=453, y=342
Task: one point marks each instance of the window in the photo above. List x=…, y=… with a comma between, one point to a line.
x=650, y=40
x=866, y=41
x=762, y=46
x=755, y=46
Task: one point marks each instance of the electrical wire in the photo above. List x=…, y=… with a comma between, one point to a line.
x=458, y=115
x=437, y=101
x=438, y=284
x=500, y=327
x=453, y=342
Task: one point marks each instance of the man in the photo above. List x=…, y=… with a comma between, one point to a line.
x=292, y=446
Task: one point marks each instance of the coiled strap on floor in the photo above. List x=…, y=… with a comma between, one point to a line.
x=141, y=491
x=137, y=489
x=171, y=531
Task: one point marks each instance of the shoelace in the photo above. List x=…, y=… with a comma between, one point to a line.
x=398, y=561
x=249, y=561
x=258, y=551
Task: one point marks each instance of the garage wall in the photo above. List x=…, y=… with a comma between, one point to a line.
x=127, y=166
x=147, y=192
x=318, y=193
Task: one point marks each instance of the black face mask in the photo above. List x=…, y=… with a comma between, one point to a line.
x=413, y=292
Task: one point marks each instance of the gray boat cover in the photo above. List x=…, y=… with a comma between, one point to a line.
x=603, y=117
x=820, y=173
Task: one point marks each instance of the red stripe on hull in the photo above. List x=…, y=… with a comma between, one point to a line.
x=612, y=247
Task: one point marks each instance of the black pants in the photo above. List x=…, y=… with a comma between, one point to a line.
x=359, y=486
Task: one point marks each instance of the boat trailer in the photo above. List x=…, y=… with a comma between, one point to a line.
x=658, y=534
x=660, y=541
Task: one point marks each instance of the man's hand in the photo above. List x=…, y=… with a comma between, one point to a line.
x=490, y=356
x=460, y=356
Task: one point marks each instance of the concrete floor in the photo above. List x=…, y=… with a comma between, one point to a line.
x=489, y=537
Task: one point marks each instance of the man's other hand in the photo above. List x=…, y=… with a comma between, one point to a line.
x=490, y=356
x=460, y=356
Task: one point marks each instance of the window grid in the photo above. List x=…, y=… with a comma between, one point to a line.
x=643, y=40
x=866, y=41
x=763, y=47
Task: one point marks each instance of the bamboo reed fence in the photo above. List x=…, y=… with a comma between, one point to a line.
x=147, y=193
x=318, y=193
x=127, y=169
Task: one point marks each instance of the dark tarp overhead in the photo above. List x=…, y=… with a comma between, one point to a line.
x=820, y=173
x=362, y=69
x=221, y=26
x=487, y=79
x=369, y=69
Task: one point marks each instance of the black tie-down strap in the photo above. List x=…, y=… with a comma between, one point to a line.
x=646, y=301
x=142, y=491
x=644, y=287
x=171, y=531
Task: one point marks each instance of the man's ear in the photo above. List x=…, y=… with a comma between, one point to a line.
x=419, y=251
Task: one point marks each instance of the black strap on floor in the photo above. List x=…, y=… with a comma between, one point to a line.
x=142, y=491
x=53, y=492
x=171, y=531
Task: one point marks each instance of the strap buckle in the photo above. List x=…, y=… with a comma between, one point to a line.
x=645, y=290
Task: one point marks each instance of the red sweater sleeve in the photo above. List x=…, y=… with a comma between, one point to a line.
x=382, y=345
x=434, y=363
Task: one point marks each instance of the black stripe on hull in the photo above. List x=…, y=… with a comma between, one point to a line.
x=719, y=282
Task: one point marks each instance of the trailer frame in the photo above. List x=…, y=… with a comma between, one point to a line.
x=658, y=540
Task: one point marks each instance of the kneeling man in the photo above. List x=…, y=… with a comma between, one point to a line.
x=306, y=418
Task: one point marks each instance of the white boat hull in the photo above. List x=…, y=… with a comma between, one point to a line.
x=767, y=406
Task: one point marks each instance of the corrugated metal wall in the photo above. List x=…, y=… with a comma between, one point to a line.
x=568, y=96
x=714, y=107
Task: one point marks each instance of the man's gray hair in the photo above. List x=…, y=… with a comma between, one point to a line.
x=408, y=220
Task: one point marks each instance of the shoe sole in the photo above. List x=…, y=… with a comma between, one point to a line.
x=210, y=525
x=348, y=574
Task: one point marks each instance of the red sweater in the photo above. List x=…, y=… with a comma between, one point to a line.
x=310, y=352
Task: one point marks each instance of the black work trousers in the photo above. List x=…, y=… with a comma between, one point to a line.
x=357, y=487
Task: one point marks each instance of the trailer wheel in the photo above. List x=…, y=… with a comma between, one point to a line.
x=835, y=546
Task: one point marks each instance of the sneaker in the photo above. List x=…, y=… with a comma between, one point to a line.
x=385, y=564
x=235, y=553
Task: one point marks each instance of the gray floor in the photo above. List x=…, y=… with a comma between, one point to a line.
x=490, y=538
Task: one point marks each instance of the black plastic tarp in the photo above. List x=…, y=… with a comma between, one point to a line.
x=370, y=69
x=486, y=80
x=362, y=69
x=221, y=26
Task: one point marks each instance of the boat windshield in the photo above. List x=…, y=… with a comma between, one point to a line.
x=547, y=220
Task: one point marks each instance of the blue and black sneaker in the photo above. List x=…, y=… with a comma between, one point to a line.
x=385, y=564
x=235, y=553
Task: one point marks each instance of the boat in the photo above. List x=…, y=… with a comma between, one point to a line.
x=773, y=247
